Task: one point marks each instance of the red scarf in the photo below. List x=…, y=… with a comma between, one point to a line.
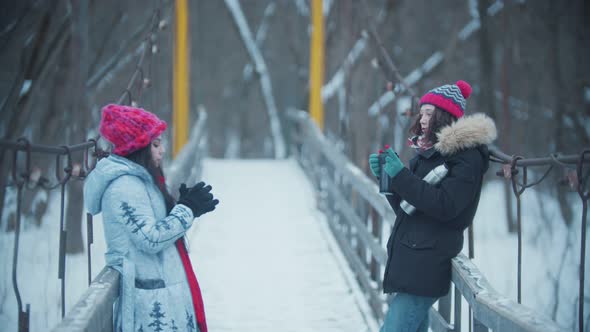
x=193, y=285
x=420, y=143
x=190, y=276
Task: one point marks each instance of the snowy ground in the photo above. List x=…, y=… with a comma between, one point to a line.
x=266, y=260
x=37, y=272
x=263, y=259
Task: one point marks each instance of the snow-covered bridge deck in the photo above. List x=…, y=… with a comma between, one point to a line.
x=265, y=259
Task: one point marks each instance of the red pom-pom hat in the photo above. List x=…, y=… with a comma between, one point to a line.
x=451, y=98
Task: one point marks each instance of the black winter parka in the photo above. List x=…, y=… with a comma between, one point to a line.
x=422, y=245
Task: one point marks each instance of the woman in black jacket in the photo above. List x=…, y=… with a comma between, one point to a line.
x=423, y=242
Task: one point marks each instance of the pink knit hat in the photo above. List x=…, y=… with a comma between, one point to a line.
x=129, y=128
x=450, y=97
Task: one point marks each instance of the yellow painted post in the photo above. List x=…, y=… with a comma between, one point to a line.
x=316, y=71
x=180, y=87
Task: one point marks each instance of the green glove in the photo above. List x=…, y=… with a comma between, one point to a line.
x=374, y=164
x=392, y=163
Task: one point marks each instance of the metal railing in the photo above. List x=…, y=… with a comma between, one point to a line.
x=30, y=178
x=358, y=214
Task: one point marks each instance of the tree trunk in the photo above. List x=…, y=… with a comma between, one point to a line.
x=505, y=127
x=486, y=60
x=3, y=177
x=554, y=16
x=487, y=103
x=78, y=108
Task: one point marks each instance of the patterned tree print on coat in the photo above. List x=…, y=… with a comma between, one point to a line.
x=173, y=326
x=140, y=328
x=190, y=324
x=162, y=224
x=129, y=215
x=157, y=314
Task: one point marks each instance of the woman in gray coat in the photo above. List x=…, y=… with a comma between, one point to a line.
x=144, y=227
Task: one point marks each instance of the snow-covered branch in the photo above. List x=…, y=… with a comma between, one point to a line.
x=265, y=82
x=117, y=61
x=260, y=37
x=472, y=5
x=432, y=62
x=327, y=7
x=414, y=77
x=109, y=71
x=336, y=82
x=302, y=7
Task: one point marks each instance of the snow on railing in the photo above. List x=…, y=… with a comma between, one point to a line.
x=94, y=311
x=358, y=214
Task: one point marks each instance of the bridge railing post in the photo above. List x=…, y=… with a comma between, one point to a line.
x=444, y=306
x=458, y=299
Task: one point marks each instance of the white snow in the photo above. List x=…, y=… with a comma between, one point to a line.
x=547, y=245
x=263, y=258
x=37, y=272
x=472, y=5
x=25, y=88
x=302, y=7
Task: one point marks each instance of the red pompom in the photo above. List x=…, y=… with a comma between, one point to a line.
x=380, y=151
x=465, y=88
x=386, y=146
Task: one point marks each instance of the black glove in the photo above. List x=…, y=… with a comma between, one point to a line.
x=198, y=198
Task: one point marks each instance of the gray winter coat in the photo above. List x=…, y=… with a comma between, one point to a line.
x=140, y=237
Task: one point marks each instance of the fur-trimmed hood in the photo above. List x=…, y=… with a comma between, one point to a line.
x=467, y=132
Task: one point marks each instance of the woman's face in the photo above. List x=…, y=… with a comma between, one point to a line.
x=426, y=112
x=157, y=149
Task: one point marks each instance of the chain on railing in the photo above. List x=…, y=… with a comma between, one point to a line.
x=584, y=197
x=568, y=162
x=518, y=193
x=30, y=179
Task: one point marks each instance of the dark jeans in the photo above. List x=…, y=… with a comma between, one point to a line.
x=408, y=313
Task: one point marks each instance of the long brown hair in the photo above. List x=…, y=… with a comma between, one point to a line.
x=439, y=120
x=144, y=158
